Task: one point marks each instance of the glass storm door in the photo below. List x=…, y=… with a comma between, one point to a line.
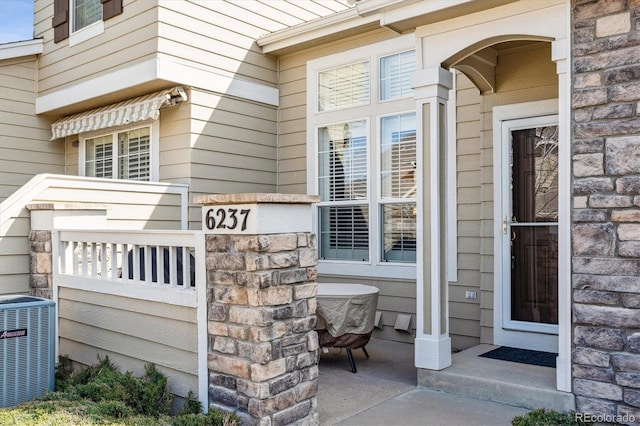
x=530, y=230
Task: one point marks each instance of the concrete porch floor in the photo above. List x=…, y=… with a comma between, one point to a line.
x=516, y=384
x=385, y=391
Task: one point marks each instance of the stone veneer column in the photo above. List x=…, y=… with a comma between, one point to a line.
x=45, y=217
x=40, y=279
x=606, y=208
x=261, y=286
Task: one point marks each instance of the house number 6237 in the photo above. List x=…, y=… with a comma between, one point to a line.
x=227, y=218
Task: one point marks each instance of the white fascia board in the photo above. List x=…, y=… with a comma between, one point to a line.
x=21, y=48
x=293, y=36
x=121, y=79
x=367, y=7
x=399, y=14
x=158, y=68
x=190, y=74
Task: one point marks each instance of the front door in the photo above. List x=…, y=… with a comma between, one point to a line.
x=530, y=233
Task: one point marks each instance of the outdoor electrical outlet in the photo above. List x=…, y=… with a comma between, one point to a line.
x=471, y=295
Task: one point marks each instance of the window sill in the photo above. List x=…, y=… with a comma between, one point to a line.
x=86, y=33
x=361, y=269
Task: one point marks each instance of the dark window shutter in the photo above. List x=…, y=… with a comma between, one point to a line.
x=60, y=21
x=111, y=8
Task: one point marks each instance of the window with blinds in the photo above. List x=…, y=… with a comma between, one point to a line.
x=343, y=181
x=99, y=154
x=134, y=154
x=122, y=155
x=344, y=87
x=85, y=13
x=395, y=75
x=366, y=166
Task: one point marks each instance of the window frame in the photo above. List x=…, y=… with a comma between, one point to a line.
x=154, y=148
x=373, y=113
x=347, y=203
x=62, y=25
x=86, y=32
x=380, y=200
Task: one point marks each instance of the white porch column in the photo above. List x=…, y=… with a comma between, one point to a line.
x=559, y=54
x=432, y=344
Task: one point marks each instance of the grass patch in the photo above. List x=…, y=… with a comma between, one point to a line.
x=101, y=395
x=542, y=417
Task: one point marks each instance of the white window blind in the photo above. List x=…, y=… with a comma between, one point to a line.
x=344, y=87
x=364, y=127
x=343, y=180
x=127, y=152
x=398, y=156
x=99, y=153
x=85, y=13
x=134, y=154
x=395, y=75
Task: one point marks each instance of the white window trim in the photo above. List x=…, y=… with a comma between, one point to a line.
x=83, y=34
x=154, y=168
x=378, y=189
x=379, y=67
x=315, y=120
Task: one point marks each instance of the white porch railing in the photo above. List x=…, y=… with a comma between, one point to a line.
x=151, y=265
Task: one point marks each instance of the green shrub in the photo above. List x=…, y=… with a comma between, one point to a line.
x=100, y=394
x=542, y=417
x=146, y=395
x=212, y=418
x=191, y=405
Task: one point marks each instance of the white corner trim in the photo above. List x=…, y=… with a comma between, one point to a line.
x=201, y=316
x=157, y=68
x=21, y=48
x=452, y=187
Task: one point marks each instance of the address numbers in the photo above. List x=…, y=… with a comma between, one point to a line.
x=227, y=218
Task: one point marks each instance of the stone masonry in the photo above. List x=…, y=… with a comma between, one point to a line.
x=40, y=268
x=263, y=350
x=606, y=208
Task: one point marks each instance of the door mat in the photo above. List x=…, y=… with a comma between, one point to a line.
x=523, y=356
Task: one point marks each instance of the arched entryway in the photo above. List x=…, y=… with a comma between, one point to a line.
x=516, y=64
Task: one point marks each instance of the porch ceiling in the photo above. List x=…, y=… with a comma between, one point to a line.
x=480, y=66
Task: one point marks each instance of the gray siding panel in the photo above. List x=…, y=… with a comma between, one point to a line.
x=25, y=149
x=218, y=36
x=233, y=148
x=132, y=332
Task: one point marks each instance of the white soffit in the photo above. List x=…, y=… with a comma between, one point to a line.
x=118, y=114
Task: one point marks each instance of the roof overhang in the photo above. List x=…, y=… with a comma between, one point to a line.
x=399, y=16
x=21, y=48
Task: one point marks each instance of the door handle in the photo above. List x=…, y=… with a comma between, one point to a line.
x=504, y=224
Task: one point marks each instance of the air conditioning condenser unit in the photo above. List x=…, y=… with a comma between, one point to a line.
x=27, y=348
